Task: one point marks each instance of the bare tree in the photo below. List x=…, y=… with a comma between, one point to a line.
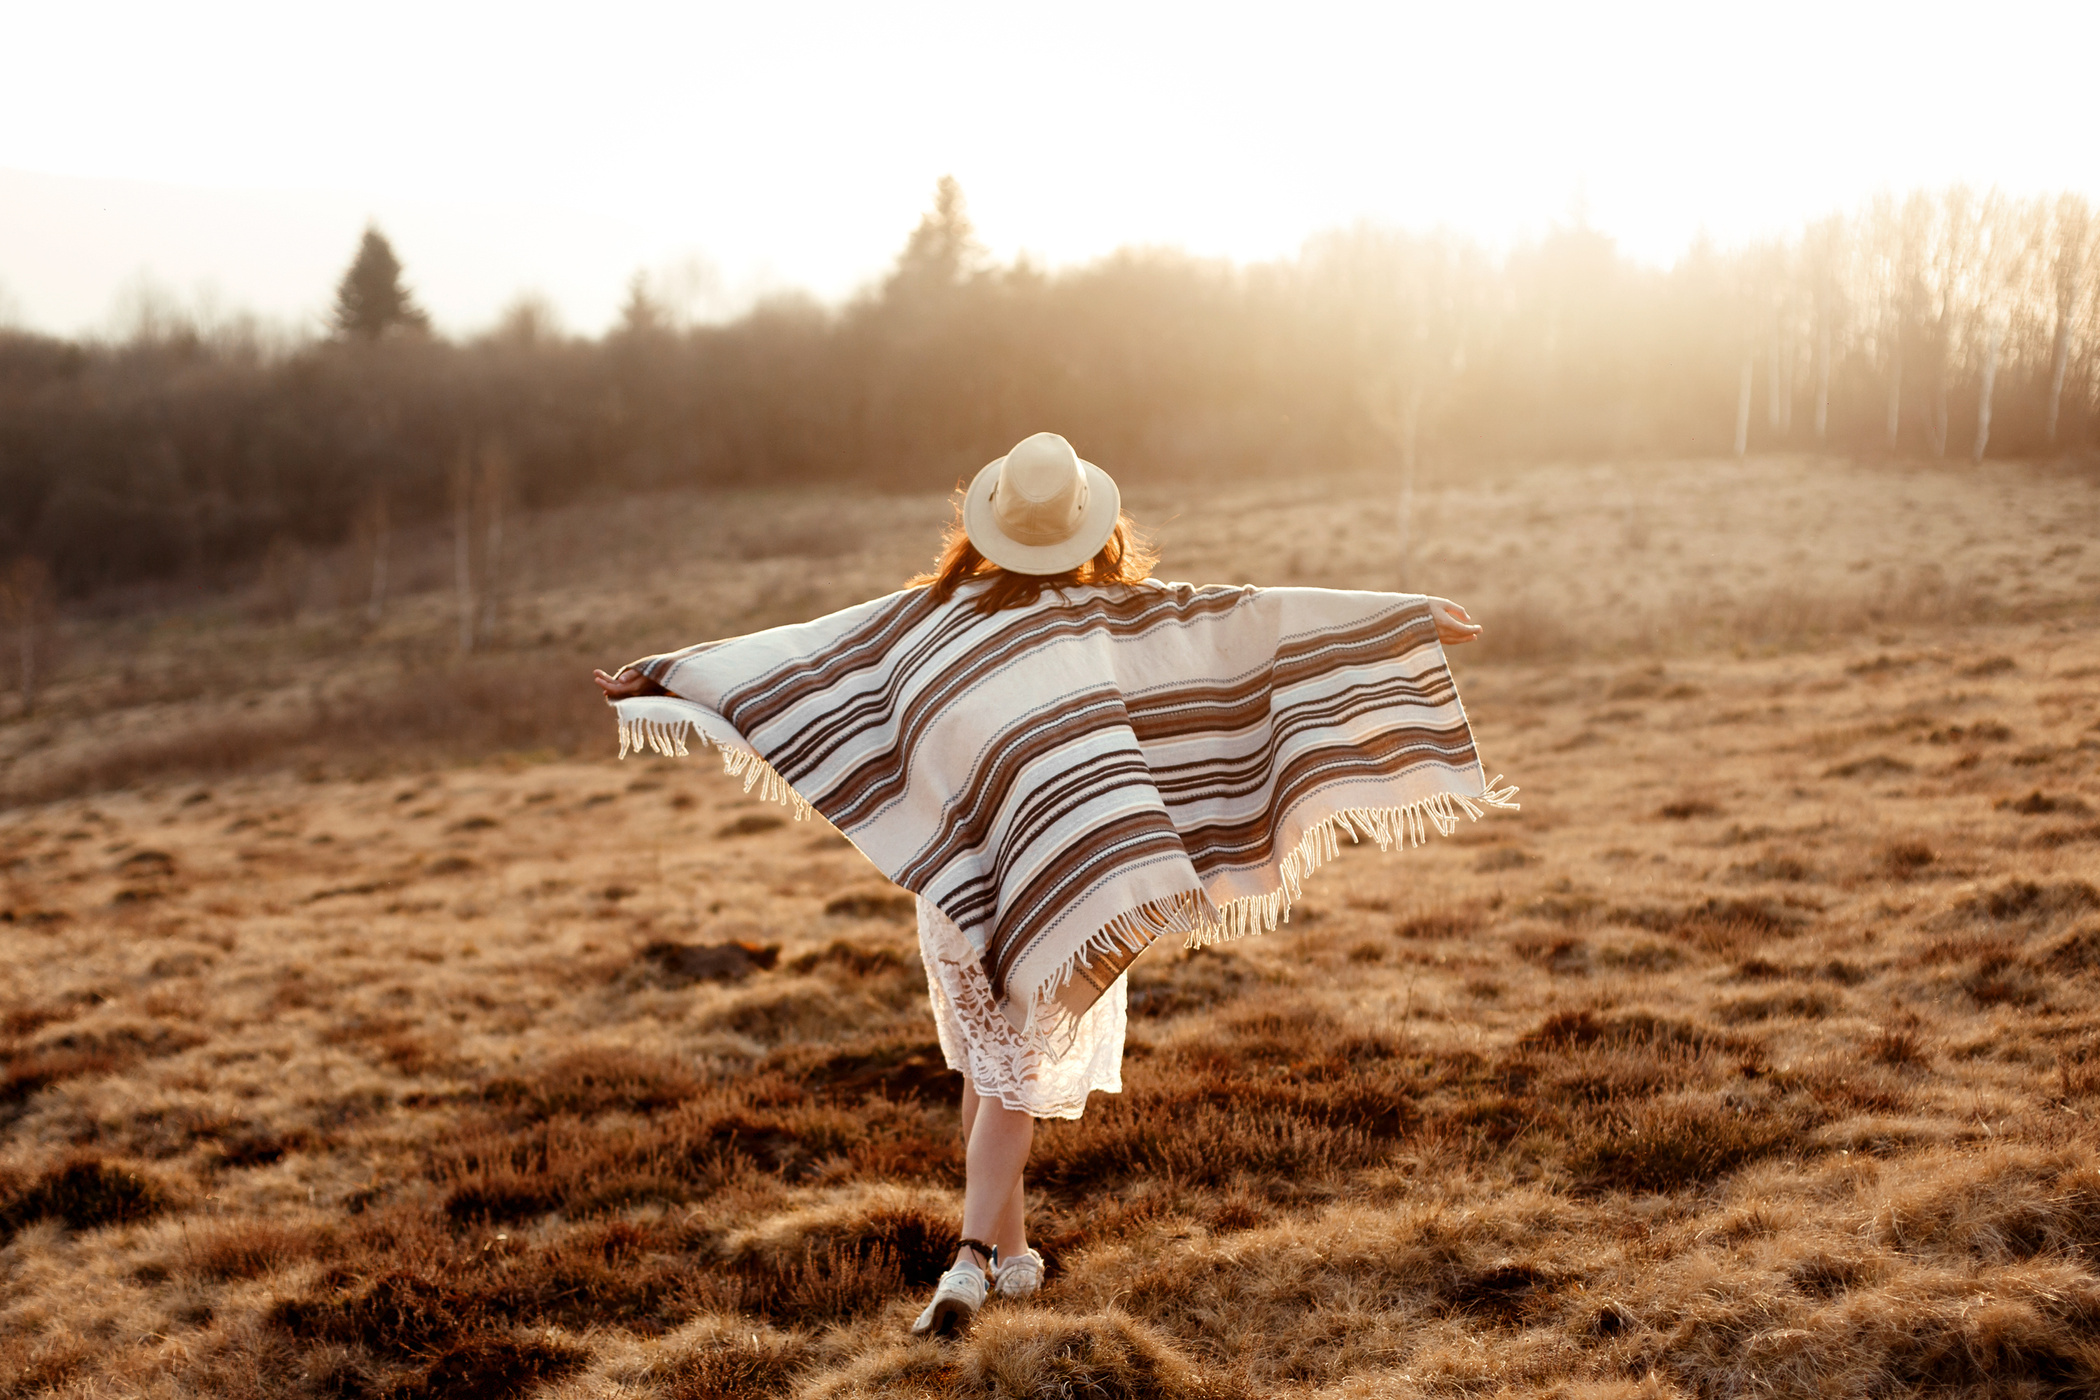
x=2001, y=249
x=1742, y=408
x=463, y=542
x=1823, y=249
x=1402, y=305
x=1953, y=233
x=2071, y=257
x=480, y=489
x=494, y=484
x=28, y=604
x=374, y=533
x=1994, y=337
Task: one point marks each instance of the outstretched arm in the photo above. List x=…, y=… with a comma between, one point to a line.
x=627, y=685
x=1452, y=623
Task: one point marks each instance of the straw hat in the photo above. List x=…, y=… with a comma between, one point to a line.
x=1040, y=509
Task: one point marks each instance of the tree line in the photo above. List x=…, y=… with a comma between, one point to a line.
x=1944, y=324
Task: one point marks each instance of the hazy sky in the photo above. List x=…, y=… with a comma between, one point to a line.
x=232, y=152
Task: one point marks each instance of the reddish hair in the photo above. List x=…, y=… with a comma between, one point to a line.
x=1128, y=557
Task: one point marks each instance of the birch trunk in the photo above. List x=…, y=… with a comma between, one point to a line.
x=2060, y=361
x=27, y=634
x=1895, y=401
x=1786, y=387
x=375, y=604
x=1742, y=411
x=1823, y=383
x=1774, y=417
x=492, y=550
x=1410, y=445
x=26, y=601
x=1983, y=400
x=1936, y=420
x=463, y=547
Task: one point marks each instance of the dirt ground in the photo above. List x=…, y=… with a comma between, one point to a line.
x=1759, y=1053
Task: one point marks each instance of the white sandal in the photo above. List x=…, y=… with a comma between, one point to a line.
x=1020, y=1276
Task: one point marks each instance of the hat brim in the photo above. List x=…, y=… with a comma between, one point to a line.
x=1097, y=521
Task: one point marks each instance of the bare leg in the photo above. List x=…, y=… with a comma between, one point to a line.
x=996, y=1141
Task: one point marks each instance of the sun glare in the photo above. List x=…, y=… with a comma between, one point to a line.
x=510, y=148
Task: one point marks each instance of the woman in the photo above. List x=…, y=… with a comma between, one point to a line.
x=1064, y=760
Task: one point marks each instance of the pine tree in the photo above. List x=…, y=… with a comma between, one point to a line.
x=943, y=249
x=642, y=314
x=370, y=299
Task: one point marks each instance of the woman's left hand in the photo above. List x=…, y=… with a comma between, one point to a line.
x=1452, y=624
x=628, y=685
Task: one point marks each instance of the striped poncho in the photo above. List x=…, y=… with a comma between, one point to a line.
x=1070, y=780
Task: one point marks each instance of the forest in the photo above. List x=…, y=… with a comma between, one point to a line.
x=1950, y=324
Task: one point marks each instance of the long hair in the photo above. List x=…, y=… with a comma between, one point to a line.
x=1128, y=557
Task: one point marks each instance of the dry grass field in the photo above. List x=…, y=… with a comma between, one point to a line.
x=365, y=1028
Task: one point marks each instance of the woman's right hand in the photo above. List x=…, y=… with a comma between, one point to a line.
x=1452, y=624
x=628, y=685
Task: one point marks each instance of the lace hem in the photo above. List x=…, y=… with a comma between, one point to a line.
x=1021, y=1072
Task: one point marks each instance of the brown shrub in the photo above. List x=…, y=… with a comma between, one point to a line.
x=890, y=1069
x=875, y=904
x=1669, y=1144
x=2001, y=1204
x=1775, y=866
x=2022, y=901
x=2004, y=981
x=683, y=964
x=79, y=1054
x=1287, y=1094
x=1723, y=926
x=477, y=706
x=1686, y=808
x=29, y=1072
x=2076, y=952
x=496, y=1174
x=744, y=1366
x=1505, y=1292
x=1806, y=1005
x=586, y=1083
x=1878, y=765
x=1109, y=1355
x=1637, y=1029
x=830, y=1282
x=84, y=1193
x=1565, y=957
x=247, y=1249
x=400, y=1314
x=1842, y=1085
x=1823, y=1275
x=770, y=1014
x=494, y=1368
x=750, y=824
x=1166, y=984
x=854, y=958
x=1445, y=923
x=1898, y=1047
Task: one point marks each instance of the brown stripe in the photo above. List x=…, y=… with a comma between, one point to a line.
x=883, y=776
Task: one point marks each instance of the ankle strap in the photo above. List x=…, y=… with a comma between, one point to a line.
x=989, y=1252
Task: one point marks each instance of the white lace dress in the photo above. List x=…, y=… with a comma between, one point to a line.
x=978, y=1040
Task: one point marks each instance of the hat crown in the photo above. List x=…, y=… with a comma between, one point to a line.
x=1041, y=492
